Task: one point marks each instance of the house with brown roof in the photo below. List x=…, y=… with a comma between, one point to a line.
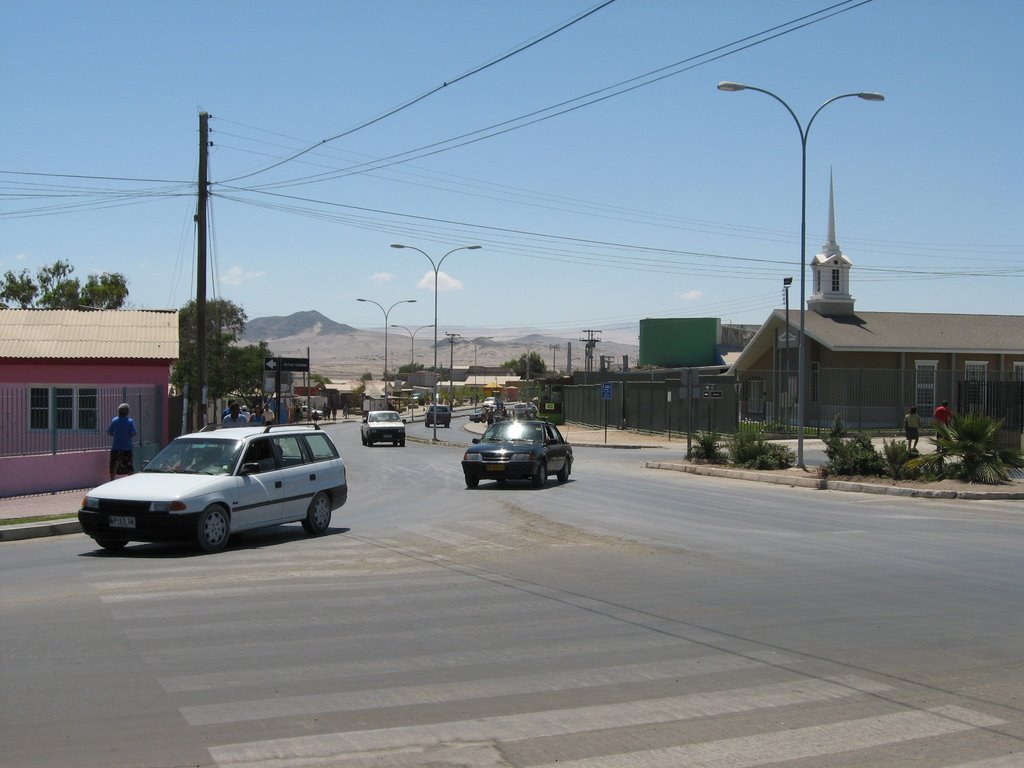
x=869, y=367
x=63, y=374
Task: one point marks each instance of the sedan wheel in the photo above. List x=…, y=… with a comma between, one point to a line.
x=318, y=516
x=472, y=481
x=112, y=545
x=563, y=473
x=540, y=475
x=212, y=529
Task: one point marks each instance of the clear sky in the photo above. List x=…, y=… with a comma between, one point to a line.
x=602, y=172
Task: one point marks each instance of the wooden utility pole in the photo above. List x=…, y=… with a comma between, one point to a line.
x=201, y=230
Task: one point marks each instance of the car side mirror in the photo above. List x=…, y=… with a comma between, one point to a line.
x=476, y=441
x=251, y=468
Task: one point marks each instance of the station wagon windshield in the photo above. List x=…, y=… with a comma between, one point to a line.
x=197, y=456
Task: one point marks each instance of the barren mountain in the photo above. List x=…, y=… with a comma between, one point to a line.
x=342, y=352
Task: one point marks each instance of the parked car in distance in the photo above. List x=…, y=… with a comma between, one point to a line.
x=205, y=486
x=382, y=427
x=439, y=414
x=518, y=450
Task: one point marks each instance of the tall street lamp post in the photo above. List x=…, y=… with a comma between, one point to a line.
x=436, y=267
x=412, y=340
x=386, y=313
x=801, y=412
x=786, y=282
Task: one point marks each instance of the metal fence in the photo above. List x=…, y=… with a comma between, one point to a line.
x=865, y=399
x=37, y=419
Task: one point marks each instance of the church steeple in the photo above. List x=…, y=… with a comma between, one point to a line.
x=831, y=270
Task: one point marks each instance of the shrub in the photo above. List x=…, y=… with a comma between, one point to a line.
x=707, y=448
x=895, y=457
x=751, y=450
x=968, y=449
x=851, y=454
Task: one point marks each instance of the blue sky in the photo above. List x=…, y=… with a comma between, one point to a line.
x=670, y=199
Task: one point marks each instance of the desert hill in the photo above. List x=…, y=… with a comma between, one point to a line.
x=342, y=352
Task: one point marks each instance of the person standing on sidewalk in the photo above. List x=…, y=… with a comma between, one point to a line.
x=943, y=414
x=122, y=429
x=912, y=427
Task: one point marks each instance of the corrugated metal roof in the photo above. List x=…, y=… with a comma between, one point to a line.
x=59, y=334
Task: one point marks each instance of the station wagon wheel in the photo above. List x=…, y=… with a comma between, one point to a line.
x=318, y=516
x=540, y=475
x=213, y=528
x=112, y=545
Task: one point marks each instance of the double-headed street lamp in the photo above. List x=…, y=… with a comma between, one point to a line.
x=802, y=346
x=386, y=313
x=412, y=341
x=436, y=267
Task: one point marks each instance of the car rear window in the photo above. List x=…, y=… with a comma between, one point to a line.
x=321, y=448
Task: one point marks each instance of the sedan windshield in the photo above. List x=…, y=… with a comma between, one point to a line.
x=505, y=431
x=197, y=456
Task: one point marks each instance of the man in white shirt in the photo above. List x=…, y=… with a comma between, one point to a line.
x=235, y=417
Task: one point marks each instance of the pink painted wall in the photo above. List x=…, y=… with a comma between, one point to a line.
x=23, y=475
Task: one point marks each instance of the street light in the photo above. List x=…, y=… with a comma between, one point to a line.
x=436, y=267
x=786, y=282
x=386, y=313
x=412, y=341
x=802, y=350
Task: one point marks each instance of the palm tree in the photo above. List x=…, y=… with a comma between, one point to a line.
x=967, y=449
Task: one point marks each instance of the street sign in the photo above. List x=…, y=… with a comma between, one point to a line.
x=296, y=364
x=606, y=391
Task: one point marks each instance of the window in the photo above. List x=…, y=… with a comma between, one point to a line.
x=976, y=374
x=74, y=408
x=924, y=385
x=835, y=281
x=321, y=448
x=815, y=381
x=1018, y=373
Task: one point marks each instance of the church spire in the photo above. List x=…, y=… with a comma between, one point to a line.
x=831, y=270
x=831, y=247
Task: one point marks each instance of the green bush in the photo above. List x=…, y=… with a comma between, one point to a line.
x=707, y=448
x=896, y=457
x=968, y=449
x=750, y=450
x=851, y=454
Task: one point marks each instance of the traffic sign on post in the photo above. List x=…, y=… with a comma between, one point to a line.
x=606, y=391
x=295, y=364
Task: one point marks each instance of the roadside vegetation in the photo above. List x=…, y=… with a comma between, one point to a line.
x=967, y=450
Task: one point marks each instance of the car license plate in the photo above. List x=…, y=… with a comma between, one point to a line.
x=122, y=521
x=495, y=467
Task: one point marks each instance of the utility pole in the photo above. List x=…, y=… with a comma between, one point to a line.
x=451, y=365
x=554, y=348
x=591, y=341
x=201, y=229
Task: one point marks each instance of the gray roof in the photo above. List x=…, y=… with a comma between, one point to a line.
x=88, y=334
x=914, y=332
x=897, y=332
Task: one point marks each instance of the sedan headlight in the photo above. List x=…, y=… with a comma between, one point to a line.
x=167, y=506
x=522, y=456
x=90, y=503
x=472, y=457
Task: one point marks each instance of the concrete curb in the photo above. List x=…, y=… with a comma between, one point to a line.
x=38, y=530
x=824, y=484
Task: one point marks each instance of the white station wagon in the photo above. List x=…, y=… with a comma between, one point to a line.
x=204, y=486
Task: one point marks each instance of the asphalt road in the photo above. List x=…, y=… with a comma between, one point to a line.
x=626, y=618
